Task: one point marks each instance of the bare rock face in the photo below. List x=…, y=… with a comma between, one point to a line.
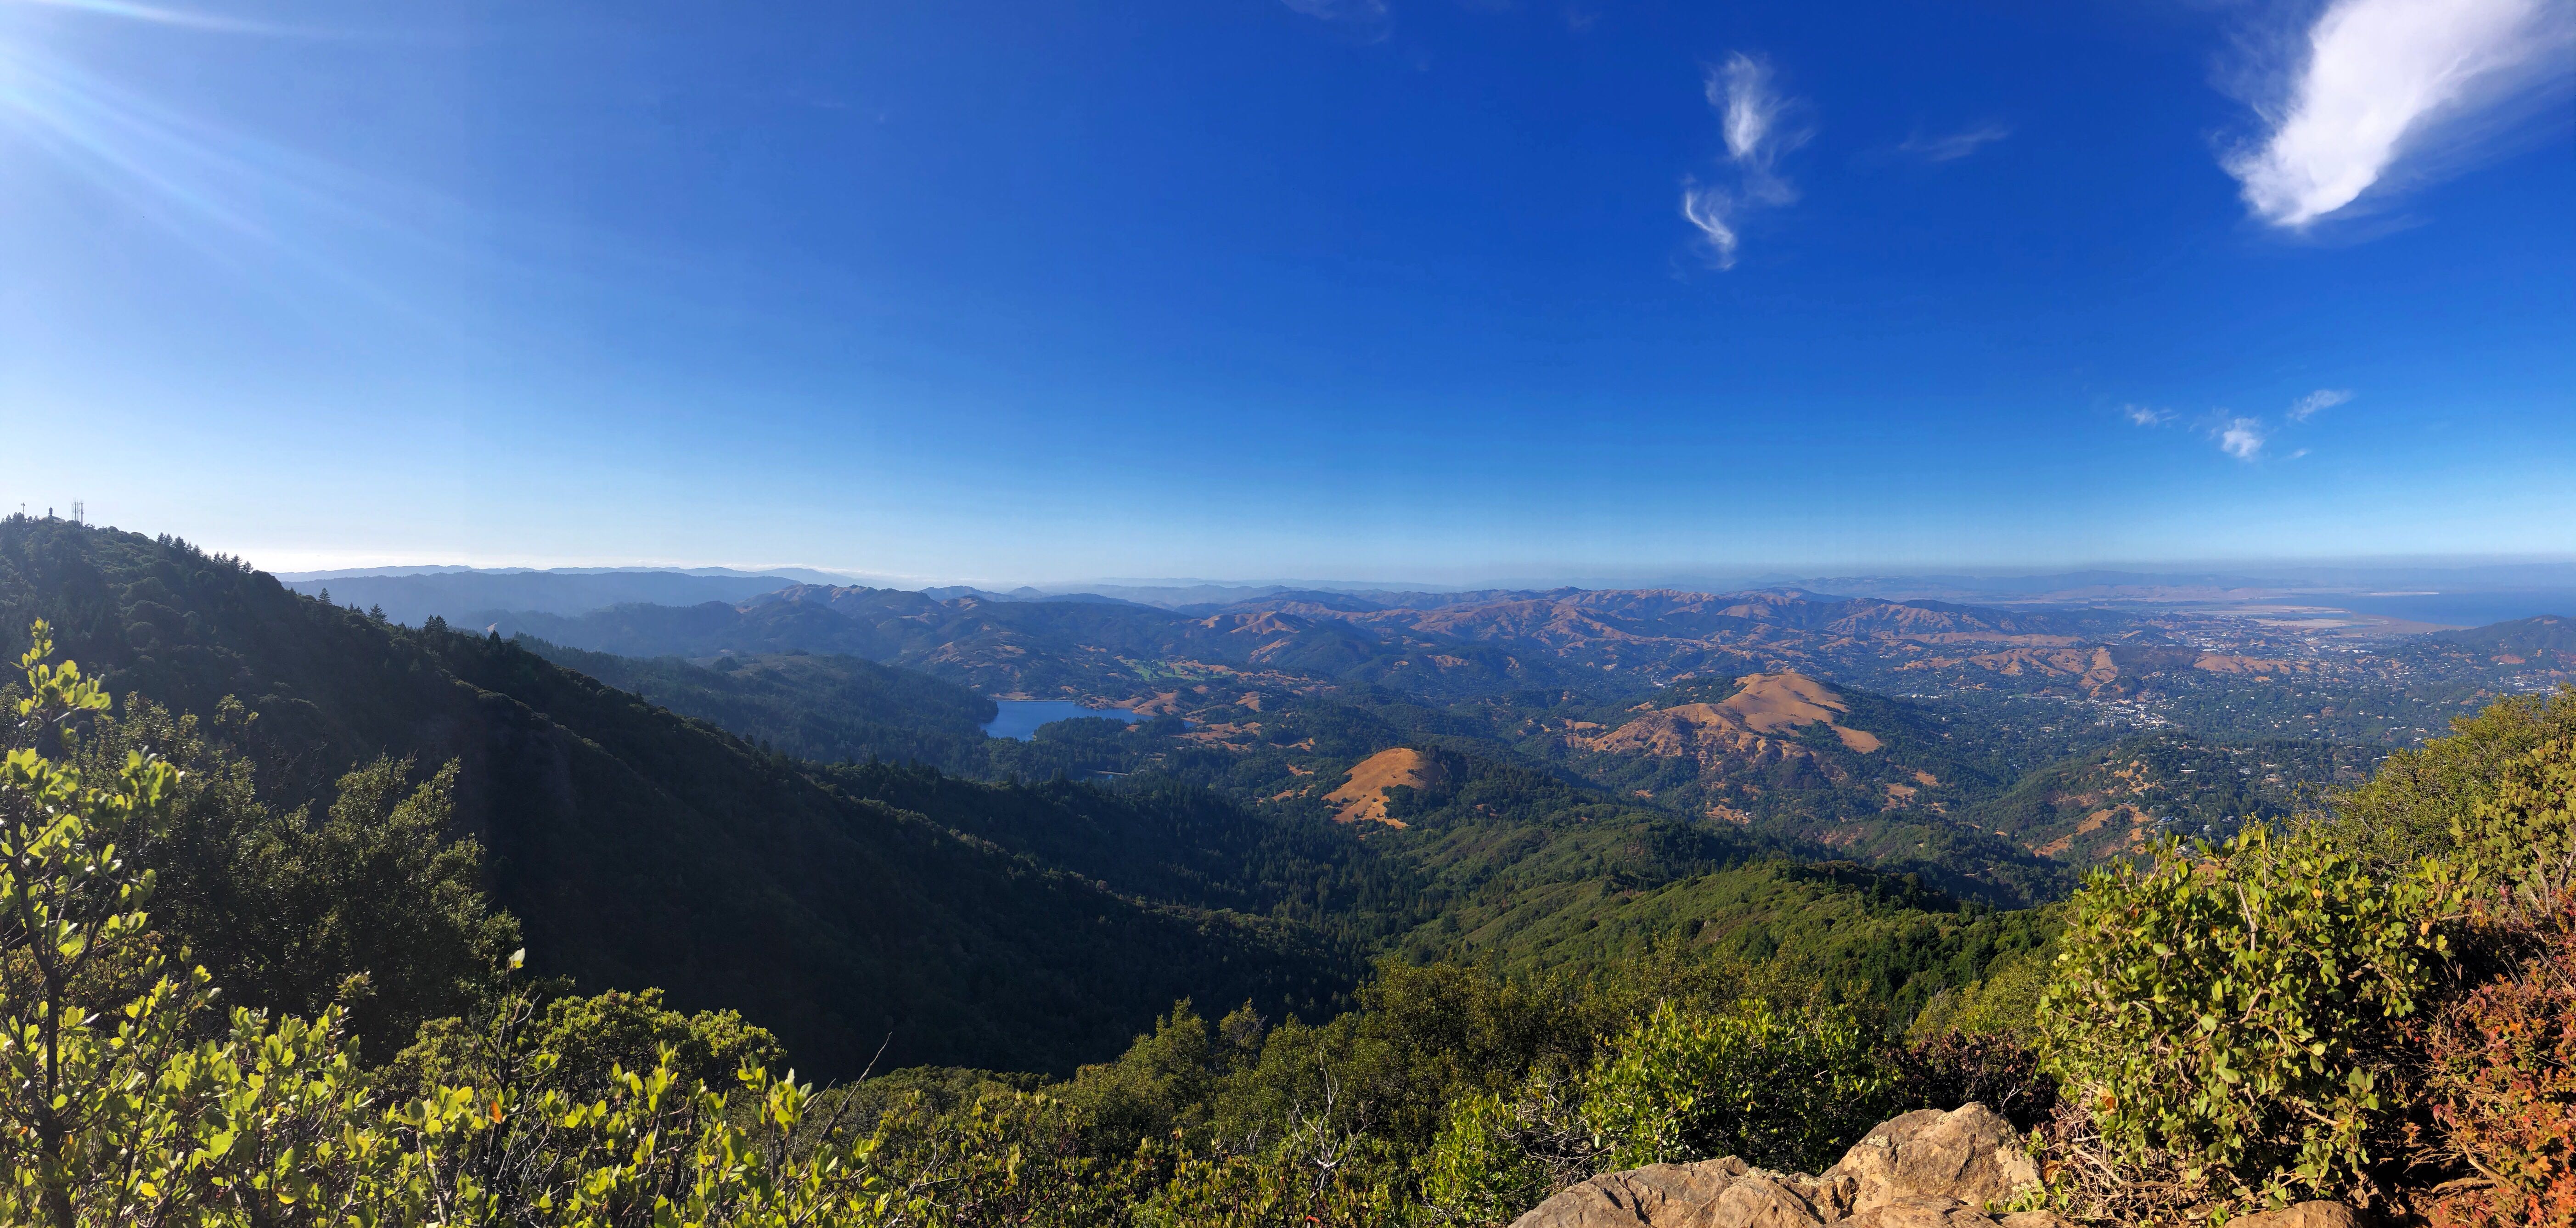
x=1969, y=1155
x=2304, y=1215
x=1915, y=1211
x=1764, y=1200
x=1656, y=1196
x=1926, y=1169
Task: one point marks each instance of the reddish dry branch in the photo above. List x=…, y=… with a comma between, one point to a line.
x=2503, y=1070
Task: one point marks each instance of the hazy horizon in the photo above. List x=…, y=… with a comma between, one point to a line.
x=2464, y=570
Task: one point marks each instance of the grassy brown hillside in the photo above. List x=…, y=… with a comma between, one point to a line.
x=1363, y=797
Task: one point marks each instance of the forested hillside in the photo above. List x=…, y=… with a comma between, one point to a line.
x=639, y=848
x=1007, y=925
x=825, y=708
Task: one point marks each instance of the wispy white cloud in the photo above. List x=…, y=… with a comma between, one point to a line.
x=2245, y=437
x=1760, y=126
x=1707, y=208
x=1354, y=12
x=1956, y=145
x=2242, y=438
x=2306, y=407
x=2381, y=82
x=1741, y=90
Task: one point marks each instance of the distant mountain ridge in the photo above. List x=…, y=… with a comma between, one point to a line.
x=456, y=595
x=2547, y=637
x=1116, y=650
x=802, y=574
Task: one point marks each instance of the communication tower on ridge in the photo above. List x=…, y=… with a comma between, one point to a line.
x=79, y=509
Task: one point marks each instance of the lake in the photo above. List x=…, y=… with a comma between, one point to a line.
x=1020, y=718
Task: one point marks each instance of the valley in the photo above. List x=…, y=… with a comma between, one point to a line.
x=1930, y=737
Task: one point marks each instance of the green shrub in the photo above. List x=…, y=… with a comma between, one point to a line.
x=2516, y=847
x=1781, y=1089
x=1500, y=1155
x=2004, y=1003
x=2231, y=1018
x=2419, y=802
x=119, y=1108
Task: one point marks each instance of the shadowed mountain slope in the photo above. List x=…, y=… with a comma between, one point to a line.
x=643, y=848
x=825, y=708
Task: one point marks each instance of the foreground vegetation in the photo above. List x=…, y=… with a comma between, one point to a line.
x=2376, y=1004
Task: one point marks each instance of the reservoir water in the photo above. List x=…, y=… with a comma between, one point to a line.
x=1020, y=718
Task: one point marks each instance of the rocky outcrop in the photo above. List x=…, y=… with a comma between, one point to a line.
x=1926, y=1169
x=1970, y=1155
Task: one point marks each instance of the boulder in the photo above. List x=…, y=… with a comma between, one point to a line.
x=1926, y=1169
x=1656, y=1196
x=1968, y=1155
x=1919, y=1211
x=1761, y=1200
x=2304, y=1215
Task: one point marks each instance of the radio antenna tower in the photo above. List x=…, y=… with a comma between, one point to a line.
x=78, y=509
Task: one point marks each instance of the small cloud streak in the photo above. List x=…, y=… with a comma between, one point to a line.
x=2242, y=438
x=2306, y=407
x=1758, y=130
x=1706, y=208
x=2379, y=83
x=1956, y=145
x=1354, y=12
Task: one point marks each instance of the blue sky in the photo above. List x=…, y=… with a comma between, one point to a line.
x=1427, y=289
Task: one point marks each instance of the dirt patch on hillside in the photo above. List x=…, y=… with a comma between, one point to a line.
x=1362, y=798
x=2136, y=838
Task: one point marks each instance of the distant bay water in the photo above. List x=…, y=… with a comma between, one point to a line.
x=1019, y=718
x=2464, y=609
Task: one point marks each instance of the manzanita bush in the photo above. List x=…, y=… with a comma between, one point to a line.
x=2230, y=1017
